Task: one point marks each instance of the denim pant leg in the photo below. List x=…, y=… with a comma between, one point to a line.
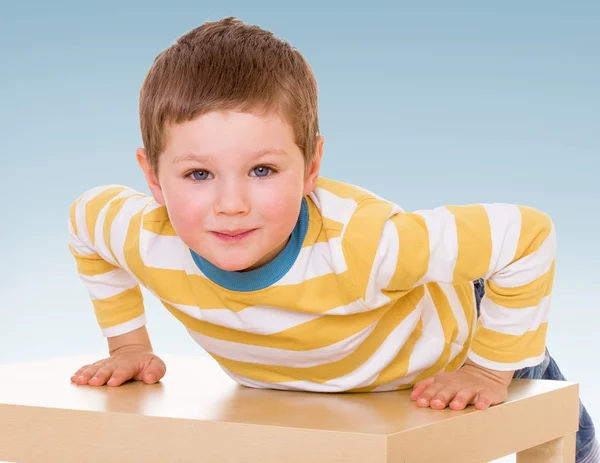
x=587, y=449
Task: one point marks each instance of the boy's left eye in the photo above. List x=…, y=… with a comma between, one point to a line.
x=261, y=171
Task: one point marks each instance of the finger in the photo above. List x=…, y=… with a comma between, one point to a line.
x=78, y=372
x=443, y=397
x=485, y=399
x=120, y=375
x=428, y=394
x=420, y=386
x=101, y=376
x=463, y=398
x=155, y=371
x=86, y=374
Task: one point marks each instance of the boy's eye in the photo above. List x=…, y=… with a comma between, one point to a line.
x=261, y=171
x=200, y=175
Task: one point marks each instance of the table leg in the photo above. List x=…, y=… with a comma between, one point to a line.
x=561, y=450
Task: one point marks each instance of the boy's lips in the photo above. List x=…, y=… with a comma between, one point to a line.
x=233, y=235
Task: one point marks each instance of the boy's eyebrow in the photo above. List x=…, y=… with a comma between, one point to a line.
x=264, y=152
x=189, y=156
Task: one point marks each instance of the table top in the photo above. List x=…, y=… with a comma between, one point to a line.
x=196, y=388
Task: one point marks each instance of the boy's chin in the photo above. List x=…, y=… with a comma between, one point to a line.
x=237, y=264
x=236, y=268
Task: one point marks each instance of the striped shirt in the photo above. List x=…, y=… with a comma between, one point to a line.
x=374, y=298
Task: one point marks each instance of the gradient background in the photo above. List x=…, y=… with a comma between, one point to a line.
x=426, y=105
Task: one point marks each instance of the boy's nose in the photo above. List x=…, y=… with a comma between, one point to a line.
x=231, y=201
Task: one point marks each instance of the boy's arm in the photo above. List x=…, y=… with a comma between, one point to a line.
x=511, y=247
x=104, y=229
x=100, y=228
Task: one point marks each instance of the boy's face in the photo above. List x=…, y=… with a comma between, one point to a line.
x=232, y=184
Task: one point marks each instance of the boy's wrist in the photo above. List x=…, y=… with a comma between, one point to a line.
x=133, y=341
x=124, y=349
x=504, y=377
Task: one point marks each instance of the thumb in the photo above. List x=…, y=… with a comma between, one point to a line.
x=420, y=386
x=486, y=398
x=155, y=370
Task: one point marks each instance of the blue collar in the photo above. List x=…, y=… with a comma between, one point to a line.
x=266, y=275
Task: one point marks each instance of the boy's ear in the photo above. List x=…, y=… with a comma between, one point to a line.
x=151, y=177
x=313, y=169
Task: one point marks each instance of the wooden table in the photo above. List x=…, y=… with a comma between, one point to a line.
x=198, y=414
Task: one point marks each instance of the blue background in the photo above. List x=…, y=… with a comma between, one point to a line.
x=426, y=105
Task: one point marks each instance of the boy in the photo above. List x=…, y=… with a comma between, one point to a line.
x=292, y=281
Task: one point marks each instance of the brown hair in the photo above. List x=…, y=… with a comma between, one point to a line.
x=228, y=65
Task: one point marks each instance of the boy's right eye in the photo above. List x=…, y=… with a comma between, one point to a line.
x=200, y=175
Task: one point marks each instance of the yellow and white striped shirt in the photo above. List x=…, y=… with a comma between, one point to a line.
x=375, y=298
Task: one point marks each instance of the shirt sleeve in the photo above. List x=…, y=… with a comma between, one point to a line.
x=100, y=227
x=513, y=248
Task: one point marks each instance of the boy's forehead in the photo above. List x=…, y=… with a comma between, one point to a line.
x=212, y=133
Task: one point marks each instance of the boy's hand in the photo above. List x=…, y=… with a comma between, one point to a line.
x=471, y=384
x=123, y=365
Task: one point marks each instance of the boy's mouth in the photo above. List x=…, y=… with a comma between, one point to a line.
x=231, y=236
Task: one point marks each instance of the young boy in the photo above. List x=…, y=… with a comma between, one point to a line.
x=292, y=281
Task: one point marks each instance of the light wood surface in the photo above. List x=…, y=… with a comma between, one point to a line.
x=197, y=413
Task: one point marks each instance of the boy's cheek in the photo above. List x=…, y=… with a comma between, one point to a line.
x=184, y=206
x=281, y=211
x=187, y=219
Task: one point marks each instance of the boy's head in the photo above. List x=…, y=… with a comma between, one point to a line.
x=231, y=140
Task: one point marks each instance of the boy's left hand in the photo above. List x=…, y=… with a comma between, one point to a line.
x=471, y=384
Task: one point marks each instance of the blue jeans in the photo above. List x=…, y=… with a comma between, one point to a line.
x=587, y=446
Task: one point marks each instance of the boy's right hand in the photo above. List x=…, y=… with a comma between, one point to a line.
x=139, y=365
